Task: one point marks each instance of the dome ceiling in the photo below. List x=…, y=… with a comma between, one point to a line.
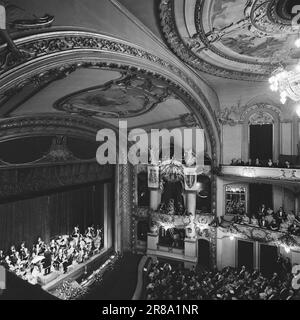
x=237, y=39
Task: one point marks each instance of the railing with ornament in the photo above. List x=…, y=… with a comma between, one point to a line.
x=198, y=225
x=254, y=233
x=262, y=172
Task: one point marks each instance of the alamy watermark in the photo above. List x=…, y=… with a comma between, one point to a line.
x=137, y=146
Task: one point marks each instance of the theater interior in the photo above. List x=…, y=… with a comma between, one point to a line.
x=73, y=228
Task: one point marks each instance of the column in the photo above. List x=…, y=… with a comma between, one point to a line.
x=191, y=202
x=190, y=243
x=154, y=199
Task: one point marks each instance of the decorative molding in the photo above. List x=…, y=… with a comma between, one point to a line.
x=170, y=31
x=260, y=18
x=49, y=124
x=41, y=46
x=261, y=117
x=238, y=114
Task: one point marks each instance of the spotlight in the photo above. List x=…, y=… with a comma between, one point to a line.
x=231, y=237
x=297, y=43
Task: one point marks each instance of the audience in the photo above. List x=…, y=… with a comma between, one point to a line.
x=275, y=221
x=262, y=163
x=175, y=283
x=58, y=255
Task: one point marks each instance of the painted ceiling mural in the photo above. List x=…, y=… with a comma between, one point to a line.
x=128, y=96
x=243, y=40
x=236, y=39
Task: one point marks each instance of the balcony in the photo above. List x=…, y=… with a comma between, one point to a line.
x=265, y=173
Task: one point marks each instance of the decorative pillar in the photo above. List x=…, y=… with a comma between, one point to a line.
x=123, y=208
x=191, y=202
x=154, y=199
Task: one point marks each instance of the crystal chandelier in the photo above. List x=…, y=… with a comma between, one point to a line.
x=287, y=82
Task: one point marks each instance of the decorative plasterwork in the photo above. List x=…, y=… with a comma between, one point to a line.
x=237, y=114
x=260, y=235
x=17, y=19
x=52, y=45
x=49, y=124
x=129, y=96
x=261, y=117
x=203, y=45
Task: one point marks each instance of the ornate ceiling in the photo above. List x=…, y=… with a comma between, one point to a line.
x=236, y=39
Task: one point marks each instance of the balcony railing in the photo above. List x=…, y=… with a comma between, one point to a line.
x=262, y=172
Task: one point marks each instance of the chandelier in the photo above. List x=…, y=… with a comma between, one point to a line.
x=287, y=82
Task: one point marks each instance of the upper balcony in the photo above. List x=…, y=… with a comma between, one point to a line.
x=265, y=173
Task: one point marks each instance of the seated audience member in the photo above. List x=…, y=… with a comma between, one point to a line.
x=263, y=223
x=254, y=221
x=291, y=217
x=240, y=162
x=226, y=284
x=287, y=165
x=270, y=163
x=269, y=216
x=284, y=226
x=277, y=164
x=245, y=219
x=233, y=162
x=274, y=226
x=257, y=162
x=262, y=211
x=280, y=215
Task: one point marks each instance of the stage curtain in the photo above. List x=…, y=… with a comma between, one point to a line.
x=50, y=215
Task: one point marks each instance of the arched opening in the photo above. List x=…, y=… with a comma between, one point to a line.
x=261, y=134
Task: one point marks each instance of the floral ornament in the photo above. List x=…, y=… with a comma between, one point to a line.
x=287, y=241
x=172, y=170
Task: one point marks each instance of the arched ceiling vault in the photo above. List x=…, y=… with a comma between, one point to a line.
x=100, y=77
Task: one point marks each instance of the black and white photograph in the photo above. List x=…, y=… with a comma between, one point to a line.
x=149, y=153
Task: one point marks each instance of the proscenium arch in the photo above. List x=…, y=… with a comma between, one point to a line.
x=79, y=47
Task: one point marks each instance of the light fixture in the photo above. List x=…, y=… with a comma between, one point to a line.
x=287, y=81
x=231, y=237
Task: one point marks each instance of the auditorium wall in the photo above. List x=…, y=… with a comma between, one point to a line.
x=56, y=214
x=283, y=197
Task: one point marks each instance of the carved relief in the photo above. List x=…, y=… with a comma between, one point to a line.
x=237, y=114
x=261, y=118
